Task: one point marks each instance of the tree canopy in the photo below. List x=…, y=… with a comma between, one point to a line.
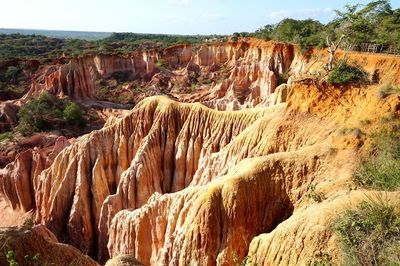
x=376, y=23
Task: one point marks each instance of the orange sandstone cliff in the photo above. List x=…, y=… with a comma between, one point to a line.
x=177, y=183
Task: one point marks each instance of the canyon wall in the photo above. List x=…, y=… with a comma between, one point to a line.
x=156, y=148
x=77, y=78
x=175, y=183
x=254, y=70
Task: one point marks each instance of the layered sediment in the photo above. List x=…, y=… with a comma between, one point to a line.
x=175, y=183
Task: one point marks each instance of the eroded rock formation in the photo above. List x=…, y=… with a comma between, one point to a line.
x=251, y=71
x=179, y=183
x=17, y=179
x=38, y=245
x=8, y=115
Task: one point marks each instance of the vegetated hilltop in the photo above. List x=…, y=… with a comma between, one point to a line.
x=249, y=152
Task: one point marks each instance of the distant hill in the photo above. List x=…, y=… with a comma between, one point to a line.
x=83, y=35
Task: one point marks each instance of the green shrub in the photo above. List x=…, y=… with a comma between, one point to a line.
x=29, y=223
x=370, y=233
x=6, y=136
x=321, y=259
x=344, y=73
x=73, y=115
x=381, y=167
x=161, y=64
x=11, y=73
x=46, y=112
x=283, y=77
x=387, y=90
x=39, y=114
x=10, y=255
x=314, y=194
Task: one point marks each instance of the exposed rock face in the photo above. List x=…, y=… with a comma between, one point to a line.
x=177, y=183
x=244, y=73
x=123, y=260
x=17, y=179
x=8, y=116
x=254, y=66
x=156, y=148
x=38, y=241
x=77, y=79
x=253, y=72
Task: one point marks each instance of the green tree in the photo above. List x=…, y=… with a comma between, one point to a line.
x=39, y=114
x=73, y=114
x=373, y=23
x=11, y=73
x=46, y=112
x=306, y=33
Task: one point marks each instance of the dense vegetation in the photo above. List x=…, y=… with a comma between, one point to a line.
x=46, y=113
x=306, y=33
x=376, y=23
x=17, y=46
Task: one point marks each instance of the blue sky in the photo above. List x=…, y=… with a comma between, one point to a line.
x=163, y=16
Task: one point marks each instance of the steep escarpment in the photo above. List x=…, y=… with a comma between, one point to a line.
x=253, y=71
x=77, y=78
x=224, y=75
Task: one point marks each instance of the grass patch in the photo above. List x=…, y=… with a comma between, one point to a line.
x=161, y=64
x=380, y=168
x=115, y=93
x=370, y=234
x=388, y=89
x=6, y=136
x=344, y=73
x=321, y=259
x=314, y=194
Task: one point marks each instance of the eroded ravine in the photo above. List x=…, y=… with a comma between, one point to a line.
x=178, y=183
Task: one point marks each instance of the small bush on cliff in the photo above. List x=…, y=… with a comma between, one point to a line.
x=387, y=90
x=10, y=255
x=73, y=115
x=39, y=114
x=321, y=259
x=314, y=194
x=161, y=64
x=344, y=73
x=370, y=234
x=6, y=136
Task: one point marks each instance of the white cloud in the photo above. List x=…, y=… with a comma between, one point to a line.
x=300, y=14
